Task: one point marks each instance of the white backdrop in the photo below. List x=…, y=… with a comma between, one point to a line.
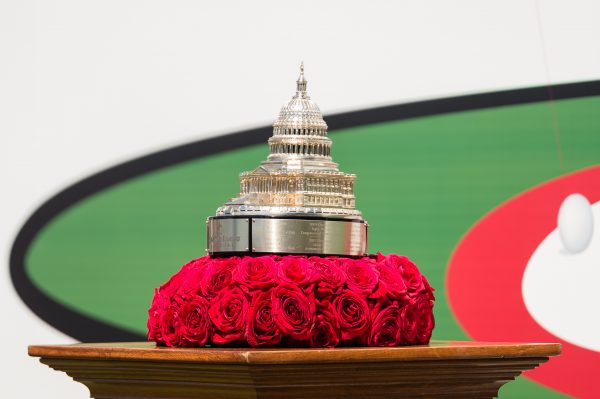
x=84, y=85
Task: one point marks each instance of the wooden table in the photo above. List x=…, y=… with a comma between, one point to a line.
x=444, y=369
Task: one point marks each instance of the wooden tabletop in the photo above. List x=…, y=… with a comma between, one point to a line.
x=443, y=369
x=436, y=350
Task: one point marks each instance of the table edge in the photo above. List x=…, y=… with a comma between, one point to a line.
x=453, y=350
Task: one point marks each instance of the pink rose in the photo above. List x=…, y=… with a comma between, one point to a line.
x=361, y=275
x=352, y=314
x=196, y=328
x=293, y=311
x=261, y=329
x=297, y=270
x=228, y=315
x=255, y=273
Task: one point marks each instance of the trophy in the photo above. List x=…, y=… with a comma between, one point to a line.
x=297, y=201
x=287, y=262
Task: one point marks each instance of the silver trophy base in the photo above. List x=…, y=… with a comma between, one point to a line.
x=286, y=235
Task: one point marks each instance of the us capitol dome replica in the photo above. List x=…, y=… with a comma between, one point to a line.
x=298, y=189
x=287, y=262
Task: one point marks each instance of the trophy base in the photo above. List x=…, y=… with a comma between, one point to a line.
x=229, y=235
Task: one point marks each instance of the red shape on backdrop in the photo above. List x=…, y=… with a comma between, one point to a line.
x=485, y=275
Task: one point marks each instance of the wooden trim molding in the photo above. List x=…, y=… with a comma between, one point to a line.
x=443, y=369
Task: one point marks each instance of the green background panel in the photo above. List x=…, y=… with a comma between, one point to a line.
x=421, y=184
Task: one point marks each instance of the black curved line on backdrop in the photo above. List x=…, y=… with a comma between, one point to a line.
x=84, y=328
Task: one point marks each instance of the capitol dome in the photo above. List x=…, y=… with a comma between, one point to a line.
x=299, y=175
x=301, y=112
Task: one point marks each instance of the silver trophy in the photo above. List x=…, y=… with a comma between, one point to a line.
x=296, y=201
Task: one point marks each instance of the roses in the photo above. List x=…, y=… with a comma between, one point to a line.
x=362, y=276
x=293, y=301
x=352, y=314
x=255, y=273
x=297, y=270
x=331, y=275
x=323, y=333
x=228, y=315
x=261, y=329
x=418, y=321
x=293, y=311
x=217, y=275
x=413, y=279
x=196, y=328
x=387, y=327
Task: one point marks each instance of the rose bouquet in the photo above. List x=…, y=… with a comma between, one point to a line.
x=294, y=301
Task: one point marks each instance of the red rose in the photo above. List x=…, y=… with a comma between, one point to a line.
x=191, y=275
x=409, y=324
x=428, y=289
x=171, y=287
x=217, y=276
x=184, y=278
x=417, y=321
x=295, y=270
x=261, y=329
x=160, y=303
x=352, y=314
x=170, y=324
x=361, y=275
x=323, y=333
x=410, y=273
x=228, y=315
x=391, y=279
x=293, y=311
x=425, y=322
x=196, y=328
x=255, y=273
x=330, y=276
x=386, y=329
